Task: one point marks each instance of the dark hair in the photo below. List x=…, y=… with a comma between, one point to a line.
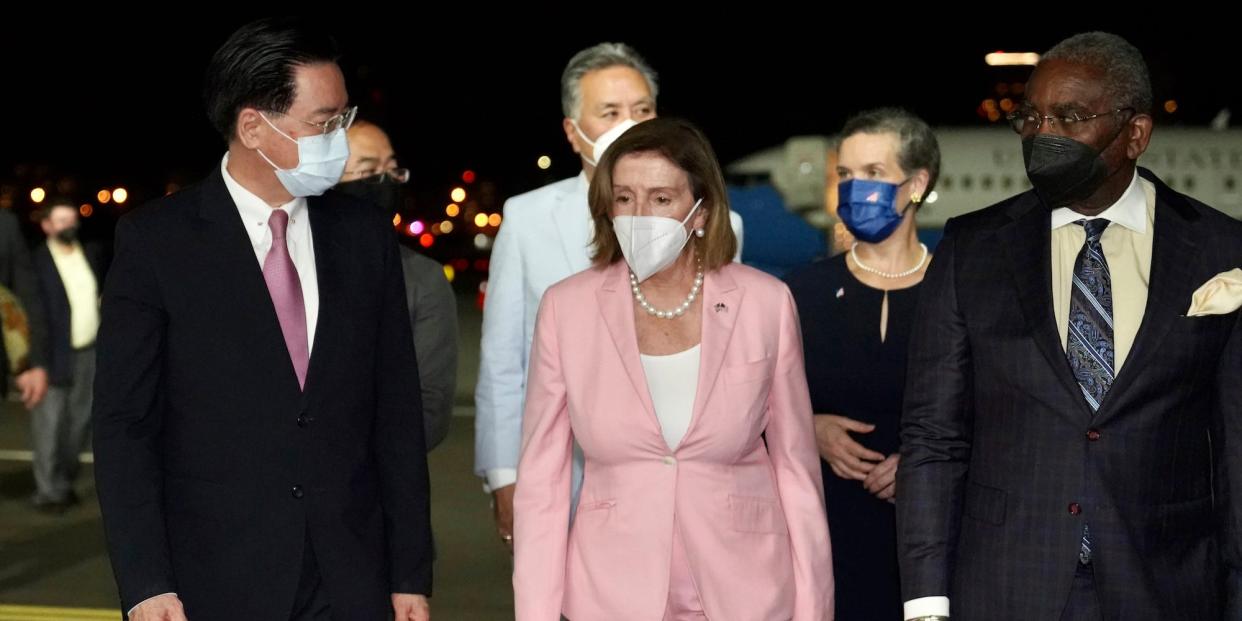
x=686, y=147
x=255, y=68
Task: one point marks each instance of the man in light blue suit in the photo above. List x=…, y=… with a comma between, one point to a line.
x=546, y=237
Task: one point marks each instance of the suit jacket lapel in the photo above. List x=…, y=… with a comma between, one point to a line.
x=329, y=254
x=236, y=274
x=1172, y=282
x=722, y=303
x=1027, y=244
x=617, y=308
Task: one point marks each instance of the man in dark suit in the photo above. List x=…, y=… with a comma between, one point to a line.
x=1072, y=427
x=372, y=175
x=258, y=439
x=70, y=274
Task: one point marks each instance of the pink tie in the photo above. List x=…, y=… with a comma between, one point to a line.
x=286, y=291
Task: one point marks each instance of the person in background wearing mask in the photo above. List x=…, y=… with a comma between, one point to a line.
x=856, y=310
x=70, y=274
x=372, y=174
x=1072, y=434
x=679, y=373
x=546, y=237
x=259, y=446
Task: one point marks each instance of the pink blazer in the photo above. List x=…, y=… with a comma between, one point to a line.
x=751, y=516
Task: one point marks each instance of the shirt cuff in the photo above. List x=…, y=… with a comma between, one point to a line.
x=937, y=606
x=131, y=610
x=500, y=477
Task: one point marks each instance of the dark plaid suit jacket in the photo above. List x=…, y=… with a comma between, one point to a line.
x=998, y=443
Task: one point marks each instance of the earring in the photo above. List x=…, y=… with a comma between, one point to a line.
x=916, y=199
x=699, y=232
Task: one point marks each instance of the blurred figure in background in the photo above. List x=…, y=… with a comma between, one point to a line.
x=70, y=276
x=372, y=174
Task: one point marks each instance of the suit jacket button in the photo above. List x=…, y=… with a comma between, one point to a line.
x=297, y=492
x=303, y=420
x=1075, y=508
x=1093, y=434
x=669, y=460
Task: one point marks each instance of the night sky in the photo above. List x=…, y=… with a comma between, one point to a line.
x=107, y=101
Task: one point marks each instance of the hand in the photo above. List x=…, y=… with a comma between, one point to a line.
x=848, y=458
x=165, y=607
x=408, y=607
x=882, y=482
x=33, y=386
x=502, y=508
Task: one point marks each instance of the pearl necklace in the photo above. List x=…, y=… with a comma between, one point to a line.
x=868, y=268
x=681, y=308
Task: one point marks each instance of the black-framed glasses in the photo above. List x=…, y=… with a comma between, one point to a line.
x=1029, y=121
x=370, y=175
x=340, y=121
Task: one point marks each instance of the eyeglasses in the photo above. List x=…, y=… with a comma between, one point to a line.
x=340, y=121
x=1030, y=120
x=370, y=175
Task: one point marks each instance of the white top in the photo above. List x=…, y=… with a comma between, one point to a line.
x=83, y=293
x=673, y=381
x=254, y=214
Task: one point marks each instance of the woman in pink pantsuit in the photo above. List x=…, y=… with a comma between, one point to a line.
x=680, y=375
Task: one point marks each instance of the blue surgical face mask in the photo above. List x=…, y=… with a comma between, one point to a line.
x=868, y=208
x=321, y=160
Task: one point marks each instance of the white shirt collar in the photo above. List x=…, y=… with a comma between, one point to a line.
x=1129, y=211
x=254, y=210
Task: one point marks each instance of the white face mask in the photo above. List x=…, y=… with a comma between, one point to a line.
x=321, y=160
x=605, y=140
x=651, y=243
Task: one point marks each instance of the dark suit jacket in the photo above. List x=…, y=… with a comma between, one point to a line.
x=433, y=317
x=999, y=444
x=17, y=274
x=213, y=467
x=58, y=315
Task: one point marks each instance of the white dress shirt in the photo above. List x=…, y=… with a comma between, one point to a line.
x=254, y=214
x=1127, y=244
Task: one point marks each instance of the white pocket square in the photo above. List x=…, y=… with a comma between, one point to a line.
x=1218, y=296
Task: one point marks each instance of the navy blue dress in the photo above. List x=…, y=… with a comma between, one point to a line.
x=851, y=372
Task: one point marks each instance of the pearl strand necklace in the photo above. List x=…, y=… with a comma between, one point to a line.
x=681, y=308
x=868, y=268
